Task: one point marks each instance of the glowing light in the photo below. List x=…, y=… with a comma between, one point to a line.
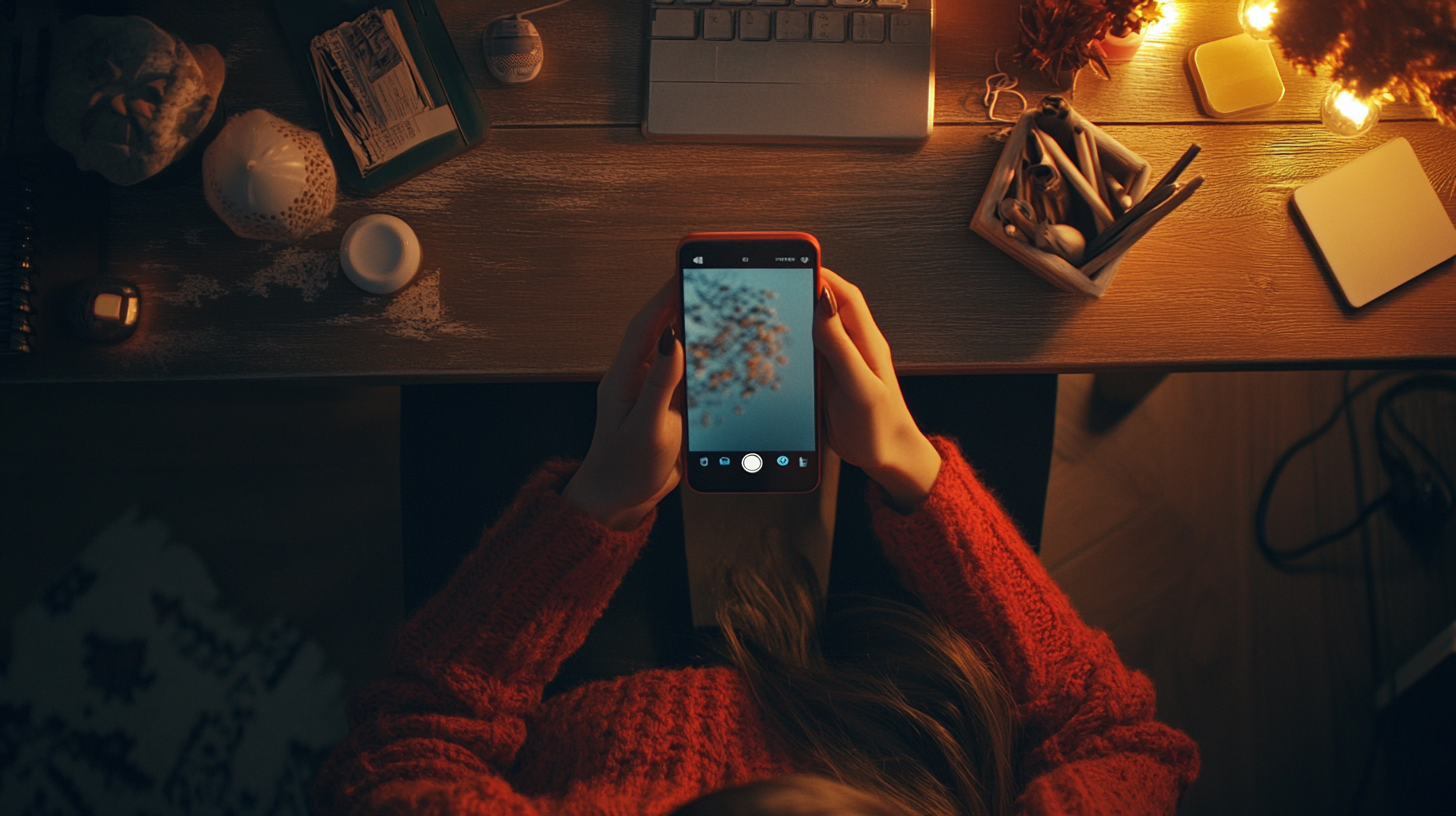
x=107, y=306
x=1346, y=114
x=1260, y=16
x=1257, y=18
x=1166, y=22
x=1352, y=108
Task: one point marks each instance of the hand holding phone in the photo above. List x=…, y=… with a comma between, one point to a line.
x=865, y=415
x=634, y=458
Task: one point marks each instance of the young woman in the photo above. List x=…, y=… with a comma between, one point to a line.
x=987, y=696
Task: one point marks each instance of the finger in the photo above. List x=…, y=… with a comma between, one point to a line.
x=860, y=325
x=662, y=379
x=829, y=391
x=850, y=370
x=623, y=378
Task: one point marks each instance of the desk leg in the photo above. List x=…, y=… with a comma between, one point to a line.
x=1116, y=394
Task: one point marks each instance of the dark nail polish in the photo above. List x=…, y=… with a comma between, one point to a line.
x=827, y=295
x=666, y=340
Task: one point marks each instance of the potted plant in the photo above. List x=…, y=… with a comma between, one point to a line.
x=1131, y=20
x=1064, y=36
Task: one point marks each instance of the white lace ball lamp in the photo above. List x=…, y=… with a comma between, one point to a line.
x=268, y=179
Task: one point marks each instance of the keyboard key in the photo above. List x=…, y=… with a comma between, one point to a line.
x=717, y=24
x=890, y=4
x=791, y=25
x=909, y=28
x=674, y=24
x=753, y=24
x=698, y=2
x=811, y=2
x=868, y=27
x=734, y=2
x=772, y=2
x=829, y=26
x=851, y=3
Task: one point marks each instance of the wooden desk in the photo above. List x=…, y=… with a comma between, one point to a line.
x=540, y=244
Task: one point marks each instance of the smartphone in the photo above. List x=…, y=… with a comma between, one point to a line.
x=751, y=413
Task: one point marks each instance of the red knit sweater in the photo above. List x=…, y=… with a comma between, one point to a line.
x=460, y=726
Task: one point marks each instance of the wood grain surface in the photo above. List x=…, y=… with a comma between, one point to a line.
x=540, y=244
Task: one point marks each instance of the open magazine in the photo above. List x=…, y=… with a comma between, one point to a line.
x=373, y=91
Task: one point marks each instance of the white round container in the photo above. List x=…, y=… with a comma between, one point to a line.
x=380, y=254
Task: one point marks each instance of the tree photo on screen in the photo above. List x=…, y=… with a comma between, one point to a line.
x=735, y=345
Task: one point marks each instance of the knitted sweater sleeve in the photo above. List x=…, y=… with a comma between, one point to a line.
x=1087, y=720
x=439, y=733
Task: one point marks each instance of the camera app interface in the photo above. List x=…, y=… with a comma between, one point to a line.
x=750, y=365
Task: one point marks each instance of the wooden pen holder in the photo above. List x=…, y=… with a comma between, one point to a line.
x=1127, y=166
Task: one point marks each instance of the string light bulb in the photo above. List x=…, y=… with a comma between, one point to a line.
x=1257, y=18
x=1346, y=114
x=1167, y=19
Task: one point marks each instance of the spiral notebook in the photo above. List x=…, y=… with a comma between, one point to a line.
x=17, y=231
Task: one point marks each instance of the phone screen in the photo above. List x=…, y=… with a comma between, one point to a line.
x=751, y=411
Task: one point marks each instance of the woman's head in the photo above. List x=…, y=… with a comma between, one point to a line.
x=796, y=795
x=875, y=694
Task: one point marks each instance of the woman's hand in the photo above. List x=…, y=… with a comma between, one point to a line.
x=865, y=416
x=634, y=458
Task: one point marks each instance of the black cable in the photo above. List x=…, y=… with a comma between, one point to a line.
x=1421, y=499
x=1420, y=502
x=1377, y=668
x=1281, y=559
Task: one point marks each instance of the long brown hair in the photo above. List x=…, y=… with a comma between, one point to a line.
x=873, y=693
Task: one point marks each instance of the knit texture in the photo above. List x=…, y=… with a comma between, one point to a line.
x=459, y=725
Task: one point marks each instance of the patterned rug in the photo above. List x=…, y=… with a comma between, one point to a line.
x=129, y=691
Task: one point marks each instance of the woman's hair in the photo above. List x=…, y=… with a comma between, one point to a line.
x=793, y=795
x=873, y=693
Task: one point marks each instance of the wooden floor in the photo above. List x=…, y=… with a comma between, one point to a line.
x=1149, y=528
x=290, y=495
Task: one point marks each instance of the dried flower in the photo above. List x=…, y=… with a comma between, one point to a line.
x=1404, y=47
x=1132, y=16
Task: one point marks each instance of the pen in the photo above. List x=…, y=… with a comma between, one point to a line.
x=1093, y=261
x=1179, y=166
x=1105, y=238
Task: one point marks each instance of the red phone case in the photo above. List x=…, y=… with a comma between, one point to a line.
x=682, y=334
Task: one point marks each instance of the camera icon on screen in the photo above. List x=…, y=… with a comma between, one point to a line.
x=723, y=460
